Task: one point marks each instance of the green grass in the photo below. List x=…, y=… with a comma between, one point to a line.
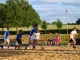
x=49, y=27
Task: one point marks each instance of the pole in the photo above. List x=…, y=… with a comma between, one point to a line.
x=67, y=21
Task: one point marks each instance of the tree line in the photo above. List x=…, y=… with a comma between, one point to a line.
x=19, y=13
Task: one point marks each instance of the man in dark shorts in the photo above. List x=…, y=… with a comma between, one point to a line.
x=19, y=39
x=70, y=41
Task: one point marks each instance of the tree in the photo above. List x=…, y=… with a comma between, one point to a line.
x=44, y=25
x=20, y=13
x=48, y=23
x=78, y=21
x=53, y=23
x=59, y=25
x=2, y=15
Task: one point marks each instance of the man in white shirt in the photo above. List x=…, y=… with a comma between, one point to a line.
x=73, y=37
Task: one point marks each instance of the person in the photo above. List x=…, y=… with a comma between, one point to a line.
x=6, y=38
x=31, y=37
x=19, y=39
x=53, y=41
x=36, y=39
x=58, y=40
x=47, y=41
x=73, y=35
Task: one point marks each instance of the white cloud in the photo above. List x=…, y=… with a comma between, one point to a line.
x=51, y=1
x=51, y=10
x=72, y=2
x=35, y=2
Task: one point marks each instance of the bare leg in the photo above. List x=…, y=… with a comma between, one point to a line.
x=74, y=44
x=8, y=43
x=19, y=46
x=68, y=44
x=28, y=43
x=3, y=44
x=34, y=43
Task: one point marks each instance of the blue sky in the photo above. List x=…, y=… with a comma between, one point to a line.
x=51, y=10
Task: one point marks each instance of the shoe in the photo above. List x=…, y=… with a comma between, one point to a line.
x=34, y=47
x=74, y=47
x=15, y=47
x=1, y=47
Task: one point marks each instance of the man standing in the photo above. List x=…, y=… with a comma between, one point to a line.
x=31, y=37
x=6, y=38
x=73, y=37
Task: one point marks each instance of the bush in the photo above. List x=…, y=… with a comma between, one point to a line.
x=62, y=31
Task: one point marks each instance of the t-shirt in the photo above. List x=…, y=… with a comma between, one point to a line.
x=54, y=39
x=36, y=35
x=73, y=33
x=18, y=36
x=57, y=39
x=33, y=30
x=6, y=34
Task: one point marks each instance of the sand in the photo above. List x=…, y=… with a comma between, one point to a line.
x=49, y=53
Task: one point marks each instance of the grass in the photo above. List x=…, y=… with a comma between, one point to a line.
x=49, y=27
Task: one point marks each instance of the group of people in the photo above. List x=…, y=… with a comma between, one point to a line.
x=34, y=38
x=53, y=41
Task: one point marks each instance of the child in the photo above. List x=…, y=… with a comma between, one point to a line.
x=36, y=38
x=53, y=41
x=58, y=40
x=19, y=39
x=6, y=38
x=48, y=41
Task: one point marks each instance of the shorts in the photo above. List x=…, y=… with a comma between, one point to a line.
x=70, y=41
x=31, y=38
x=19, y=41
x=6, y=40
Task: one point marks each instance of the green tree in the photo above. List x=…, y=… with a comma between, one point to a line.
x=44, y=25
x=31, y=16
x=20, y=13
x=53, y=23
x=48, y=23
x=2, y=15
x=59, y=25
x=78, y=21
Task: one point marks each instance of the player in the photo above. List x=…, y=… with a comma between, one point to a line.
x=31, y=37
x=36, y=39
x=19, y=39
x=73, y=35
x=6, y=38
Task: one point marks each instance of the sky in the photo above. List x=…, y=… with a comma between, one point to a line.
x=51, y=10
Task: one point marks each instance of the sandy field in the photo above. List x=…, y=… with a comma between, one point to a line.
x=49, y=53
